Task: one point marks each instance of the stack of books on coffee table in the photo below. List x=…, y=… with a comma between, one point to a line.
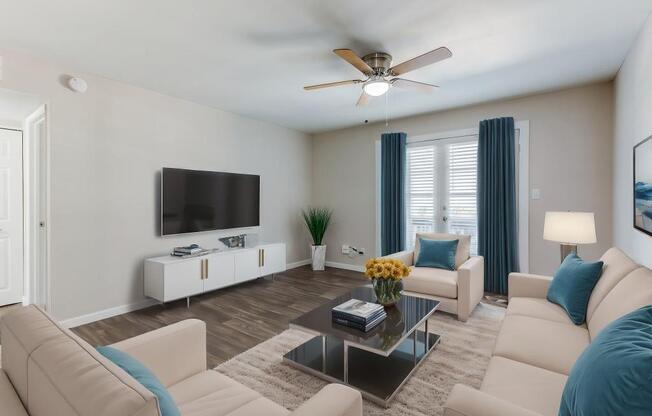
x=359, y=314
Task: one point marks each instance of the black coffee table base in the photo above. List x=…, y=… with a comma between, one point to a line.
x=377, y=377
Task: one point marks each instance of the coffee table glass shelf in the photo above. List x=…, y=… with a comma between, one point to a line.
x=376, y=363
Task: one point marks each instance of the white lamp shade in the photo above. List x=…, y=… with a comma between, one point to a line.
x=570, y=227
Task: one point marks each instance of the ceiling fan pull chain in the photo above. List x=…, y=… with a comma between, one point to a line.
x=387, y=109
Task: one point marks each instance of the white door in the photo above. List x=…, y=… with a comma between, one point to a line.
x=11, y=216
x=247, y=265
x=219, y=271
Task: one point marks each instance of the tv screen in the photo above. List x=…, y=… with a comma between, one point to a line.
x=194, y=200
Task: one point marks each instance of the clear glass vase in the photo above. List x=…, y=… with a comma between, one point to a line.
x=388, y=291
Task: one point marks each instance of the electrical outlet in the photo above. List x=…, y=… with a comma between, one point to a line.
x=346, y=249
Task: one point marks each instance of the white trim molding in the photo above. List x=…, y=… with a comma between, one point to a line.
x=299, y=263
x=107, y=313
x=345, y=266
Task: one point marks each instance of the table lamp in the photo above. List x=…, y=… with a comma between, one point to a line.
x=569, y=229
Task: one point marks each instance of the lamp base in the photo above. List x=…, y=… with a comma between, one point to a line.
x=567, y=249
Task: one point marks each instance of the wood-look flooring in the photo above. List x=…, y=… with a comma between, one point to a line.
x=237, y=318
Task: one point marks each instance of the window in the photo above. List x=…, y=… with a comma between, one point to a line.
x=442, y=188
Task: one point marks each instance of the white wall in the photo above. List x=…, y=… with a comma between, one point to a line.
x=570, y=162
x=107, y=147
x=632, y=123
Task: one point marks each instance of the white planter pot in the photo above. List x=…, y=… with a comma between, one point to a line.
x=318, y=257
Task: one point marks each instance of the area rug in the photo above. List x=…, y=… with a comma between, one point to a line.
x=461, y=357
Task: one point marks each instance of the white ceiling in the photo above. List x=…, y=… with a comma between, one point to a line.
x=252, y=57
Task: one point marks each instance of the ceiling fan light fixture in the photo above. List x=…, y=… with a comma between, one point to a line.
x=376, y=87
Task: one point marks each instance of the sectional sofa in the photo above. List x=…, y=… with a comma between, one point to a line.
x=538, y=344
x=47, y=370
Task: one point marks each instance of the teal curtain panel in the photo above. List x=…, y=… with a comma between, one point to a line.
x=497, y=209
x=392, y=192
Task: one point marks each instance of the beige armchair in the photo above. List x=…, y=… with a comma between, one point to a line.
x=460, y=290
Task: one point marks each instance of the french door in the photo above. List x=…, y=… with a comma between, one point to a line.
x=441, y=188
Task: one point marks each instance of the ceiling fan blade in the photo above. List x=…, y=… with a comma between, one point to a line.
x=407, y=84
x=331, y=84
x=349, y=56
x=420, y=61
x=363, y=100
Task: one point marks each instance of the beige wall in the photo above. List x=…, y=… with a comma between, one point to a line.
x=633, y=123
x=107, y=147
x=570, y=162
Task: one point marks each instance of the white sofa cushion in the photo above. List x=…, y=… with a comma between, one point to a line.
x=616, y=266
x=210, y=393
x=432, y=281
x=538, y=308
x=463, y=246
x=530, y=387
x=632, y=292
x=550, y=345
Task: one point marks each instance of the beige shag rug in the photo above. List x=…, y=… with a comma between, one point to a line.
x=461, y=357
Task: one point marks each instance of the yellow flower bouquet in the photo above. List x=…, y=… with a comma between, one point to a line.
x=386, y=275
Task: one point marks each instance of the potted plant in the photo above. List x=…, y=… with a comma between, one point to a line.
x=317, y=220
x=386, y=276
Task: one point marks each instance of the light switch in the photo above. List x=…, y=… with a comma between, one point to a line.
x=536, y=193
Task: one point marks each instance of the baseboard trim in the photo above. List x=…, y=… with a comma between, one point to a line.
x=107, y=313
x=345, y=266
x=298, y=264
x=145, y=303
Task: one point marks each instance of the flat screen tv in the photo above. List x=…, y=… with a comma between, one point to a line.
x=194, y=200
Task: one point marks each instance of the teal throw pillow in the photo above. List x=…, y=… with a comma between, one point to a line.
x=572, y=285
x=144, y=376
x=437, y=253
x=613, y=376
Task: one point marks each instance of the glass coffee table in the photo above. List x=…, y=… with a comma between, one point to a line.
x=376, y=363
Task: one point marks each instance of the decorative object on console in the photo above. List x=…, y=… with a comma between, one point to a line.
x=572, y=286
x=317, y=220
x=643, y=186
x=386, y=275
x=234, y=241
x=570, y=229
x=359, y=314
x=184, y=251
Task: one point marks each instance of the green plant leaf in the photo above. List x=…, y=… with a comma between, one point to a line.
x=317, y=220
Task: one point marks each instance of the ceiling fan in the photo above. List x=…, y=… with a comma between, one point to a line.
x=380, y=75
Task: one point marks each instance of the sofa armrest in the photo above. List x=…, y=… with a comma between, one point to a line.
x=470, y=286
x=332, y=400
x=524, y=285
x=406, y=257
x=173, y=353
x=467, y=401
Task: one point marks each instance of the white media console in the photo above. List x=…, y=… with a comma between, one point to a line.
x=169, y=278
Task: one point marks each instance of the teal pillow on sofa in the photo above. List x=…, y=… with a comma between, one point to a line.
x=144, y=376
x=437, y=253
x=613, y=376
x=572, y=285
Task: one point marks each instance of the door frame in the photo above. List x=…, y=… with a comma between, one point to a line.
x=32, y=188
x=523, y=127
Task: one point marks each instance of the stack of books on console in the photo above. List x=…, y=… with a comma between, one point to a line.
x=359, y=314
x=187, y=250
